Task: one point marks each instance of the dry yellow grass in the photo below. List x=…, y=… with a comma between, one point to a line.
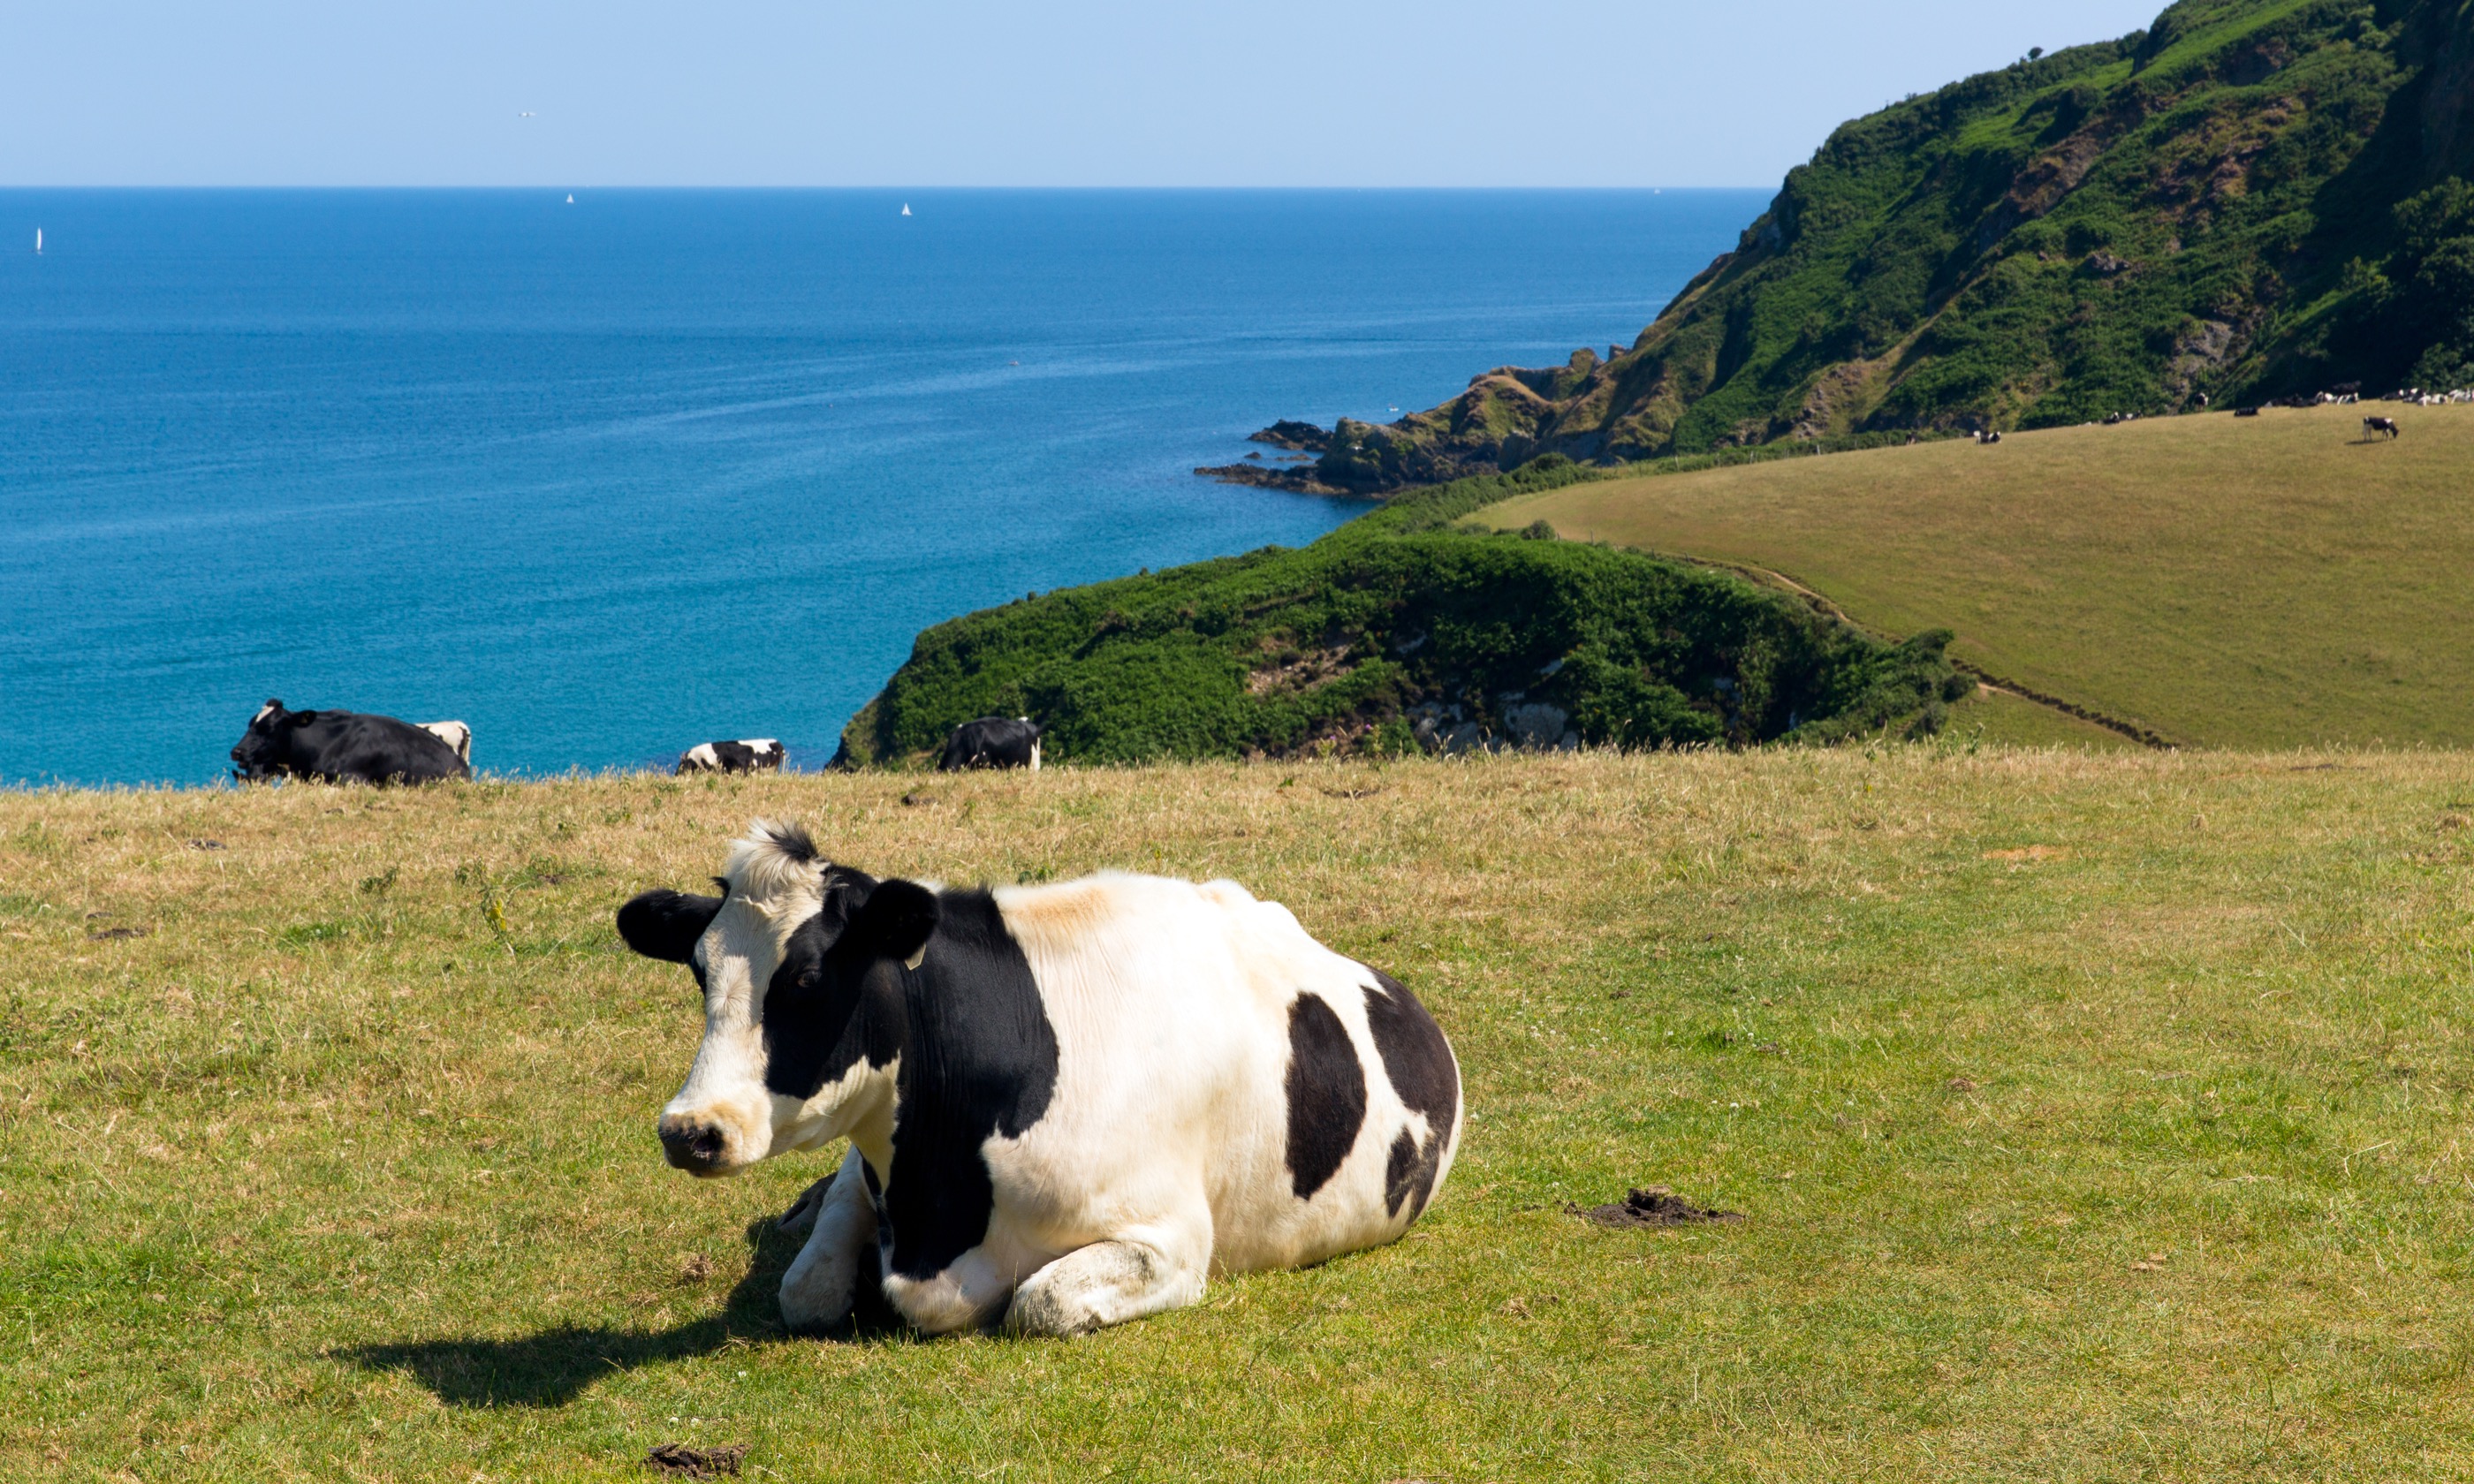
x=2232, y=581
x=2094, y=1117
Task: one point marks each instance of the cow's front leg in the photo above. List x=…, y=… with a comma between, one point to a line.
x=823, y=1281
x=1107, y=1283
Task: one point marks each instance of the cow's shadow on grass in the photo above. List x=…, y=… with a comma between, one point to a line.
x=550, y=1368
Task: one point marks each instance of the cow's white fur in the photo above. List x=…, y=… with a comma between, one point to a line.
x=454, y=735
x=1161, y=1158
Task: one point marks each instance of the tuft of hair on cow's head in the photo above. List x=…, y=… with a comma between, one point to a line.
x=789, y=839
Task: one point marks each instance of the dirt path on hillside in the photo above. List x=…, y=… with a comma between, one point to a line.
x=2145, y=736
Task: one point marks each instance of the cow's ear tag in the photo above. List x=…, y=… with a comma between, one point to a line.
x=913, y=961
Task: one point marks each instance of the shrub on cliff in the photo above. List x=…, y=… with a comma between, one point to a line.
x=1399, y=628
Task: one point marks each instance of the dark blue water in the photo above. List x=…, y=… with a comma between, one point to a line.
x=608, y=479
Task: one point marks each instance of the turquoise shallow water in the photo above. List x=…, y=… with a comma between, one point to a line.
x=610, y=478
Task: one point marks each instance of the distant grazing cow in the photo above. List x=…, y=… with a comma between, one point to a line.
x=454, y=735
x=2245, y=412
x=2372, y=425
x=341, y=747
x=750, y=755
x=992, y=742
x=1068, y=1106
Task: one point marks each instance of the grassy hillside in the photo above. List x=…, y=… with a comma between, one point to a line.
x=2251, y=198
x=2091, y=1118
x=1393, y=634
x=2230, y=581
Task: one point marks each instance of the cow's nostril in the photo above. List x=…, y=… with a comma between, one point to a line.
x=692, y=1146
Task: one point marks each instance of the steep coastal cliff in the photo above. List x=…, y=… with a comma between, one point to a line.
x=2250, y=199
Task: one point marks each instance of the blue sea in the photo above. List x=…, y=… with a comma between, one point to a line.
x=609, y=477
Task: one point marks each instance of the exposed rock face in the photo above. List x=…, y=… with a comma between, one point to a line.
x=1286, y=434
x=1536, y=727
x=2236, y=204
x=1294, y=480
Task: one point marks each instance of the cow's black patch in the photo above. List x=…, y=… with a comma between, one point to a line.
x=1416, y=1057
x=1409, y=1171
x=979, y=1058
x=1327, y=1089
x=1419, y=1061
x=814, y=1030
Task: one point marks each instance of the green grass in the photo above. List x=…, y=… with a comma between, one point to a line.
x=2226, y=580
x=1966, y=1034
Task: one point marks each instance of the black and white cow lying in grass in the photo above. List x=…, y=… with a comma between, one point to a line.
x=748, y=754
x=1068, y=1106
x=341, y=747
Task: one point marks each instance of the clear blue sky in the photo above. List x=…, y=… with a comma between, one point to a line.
x=962, y=92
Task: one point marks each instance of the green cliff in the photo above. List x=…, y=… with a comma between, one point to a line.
x=2251, y=198
x=1400, y=631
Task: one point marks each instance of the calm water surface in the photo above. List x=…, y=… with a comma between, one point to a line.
x=610, y=478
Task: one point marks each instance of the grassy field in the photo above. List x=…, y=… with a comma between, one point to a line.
x=2230, y=582
x=2092, y=1117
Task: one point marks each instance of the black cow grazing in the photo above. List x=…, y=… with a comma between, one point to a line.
x=748, y=754
x=992, y=742
x=2372, y=425
x=341, y=747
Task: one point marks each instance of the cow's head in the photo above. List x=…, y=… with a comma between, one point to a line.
x=264, y=751
x=787, y=956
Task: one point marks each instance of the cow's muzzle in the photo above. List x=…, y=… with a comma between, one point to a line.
x=694, y=1145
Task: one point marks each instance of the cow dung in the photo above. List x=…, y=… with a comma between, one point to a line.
x=696, y=1463
x=1653, y=1207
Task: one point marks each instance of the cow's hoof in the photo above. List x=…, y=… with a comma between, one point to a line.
x=814, y=1321
x=1045, y=1314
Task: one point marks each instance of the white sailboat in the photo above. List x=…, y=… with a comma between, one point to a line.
x=38, y=242
x=905, y=209
x=570, y=197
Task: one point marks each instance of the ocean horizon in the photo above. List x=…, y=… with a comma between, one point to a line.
x=609, y=477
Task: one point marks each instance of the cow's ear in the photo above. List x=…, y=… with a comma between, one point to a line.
x=895, y=921
x=667, y=924
x=299, y=718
